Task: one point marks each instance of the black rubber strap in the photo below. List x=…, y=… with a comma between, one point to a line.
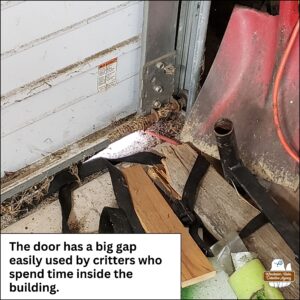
x=268, y=206
x=114, y=220
x=193, y=230
x=124, y=218
x=123, y=197
x=186, y=216
x=253, y=225
x=61, y=179
x=190, y=189
x=65, y=183
x=184, y=208
x=97, y=165
x=65, y=200
x=100, y=164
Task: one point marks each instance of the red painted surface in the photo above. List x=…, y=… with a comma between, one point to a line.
x=240, y=81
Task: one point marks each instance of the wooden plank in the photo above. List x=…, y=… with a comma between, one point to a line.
x=175, y=169
x=157, y=217
x=223, y=210
x=159, y=178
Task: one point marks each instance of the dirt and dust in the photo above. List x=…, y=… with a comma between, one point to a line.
x=24, y=203
x=32, y=199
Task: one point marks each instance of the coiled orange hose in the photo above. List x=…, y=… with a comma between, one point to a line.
x=278, y=77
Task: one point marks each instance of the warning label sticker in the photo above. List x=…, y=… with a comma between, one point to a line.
x=107, y=75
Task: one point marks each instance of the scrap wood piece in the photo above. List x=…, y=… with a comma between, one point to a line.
x=223, y=210
x=159, y=178
x=175, y=168
x=156, y=216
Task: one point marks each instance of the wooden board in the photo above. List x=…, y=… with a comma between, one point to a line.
x=223, y=210
x=176, y=169
x=157, y=217
x=158, y=176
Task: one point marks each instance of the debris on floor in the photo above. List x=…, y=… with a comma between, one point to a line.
x=34, y=198
x=25, y=203
x=160, y=189
x=162, y=114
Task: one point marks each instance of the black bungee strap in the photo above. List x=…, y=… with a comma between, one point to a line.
x=114, y=220
x=268, y=207
x=100, y=164
x=188, y=200
x=124, y=218
x=124, y=200
x=65, y=200
x=199, y=169
x=253, y=225
x=65, y=183
x=184, y=208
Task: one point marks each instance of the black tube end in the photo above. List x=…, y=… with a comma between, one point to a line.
x=223, y=127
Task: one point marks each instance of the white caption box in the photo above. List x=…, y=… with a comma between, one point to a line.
x=160, y=280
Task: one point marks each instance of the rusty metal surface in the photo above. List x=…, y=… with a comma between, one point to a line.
x=239, y=87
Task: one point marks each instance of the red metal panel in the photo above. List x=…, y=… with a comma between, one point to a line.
x=239, y=87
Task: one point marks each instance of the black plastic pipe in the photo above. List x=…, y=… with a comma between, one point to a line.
x=227, y=146
x=235, y=171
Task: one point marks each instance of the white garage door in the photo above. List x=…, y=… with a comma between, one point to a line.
x=68, y=68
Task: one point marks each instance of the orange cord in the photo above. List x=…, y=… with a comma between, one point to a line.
x=278, y=77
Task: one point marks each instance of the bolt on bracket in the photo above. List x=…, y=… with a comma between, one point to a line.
x=158, y=82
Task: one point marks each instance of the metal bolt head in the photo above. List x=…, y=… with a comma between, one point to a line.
x=170, y=69
x=156, y=104
x=160, y=65
x=158, y=89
